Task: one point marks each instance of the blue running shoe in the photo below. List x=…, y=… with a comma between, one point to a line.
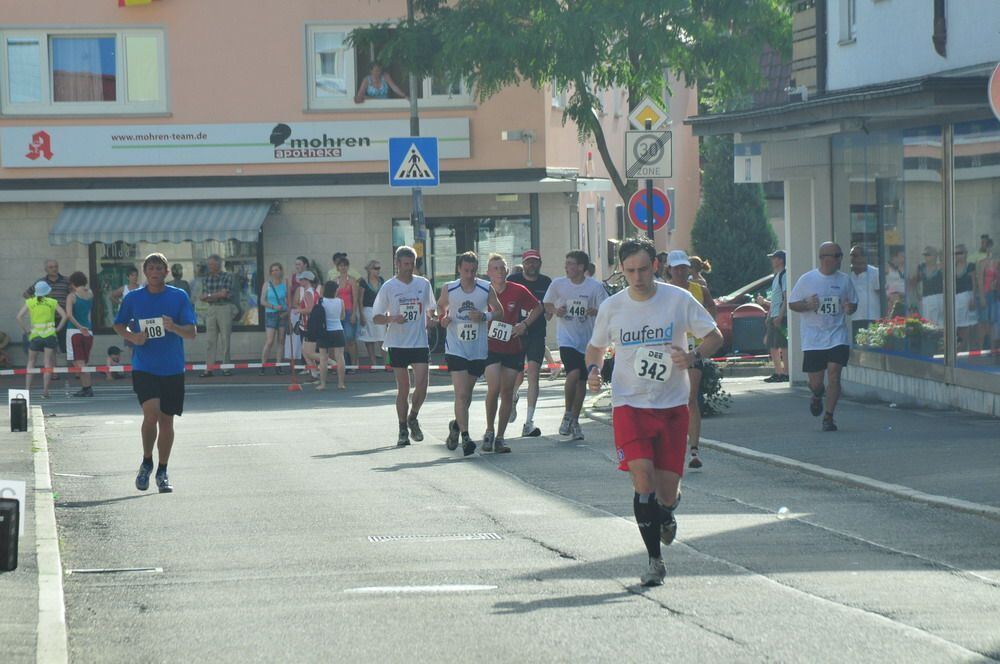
x=142, y=477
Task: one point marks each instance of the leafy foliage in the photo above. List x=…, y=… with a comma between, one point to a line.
x=731, y=227
x=585, y=47
x=712, y=399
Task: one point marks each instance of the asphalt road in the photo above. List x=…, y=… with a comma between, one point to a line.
x=298, y=532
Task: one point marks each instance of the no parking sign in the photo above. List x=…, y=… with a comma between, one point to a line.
x=663, y=209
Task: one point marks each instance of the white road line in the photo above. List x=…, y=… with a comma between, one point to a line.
x=239, y=445
x=73, y=475
x=392, y=590
x=51, y=647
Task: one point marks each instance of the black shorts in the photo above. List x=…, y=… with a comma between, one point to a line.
x=168, y=389
x=513, y=361
x=61, y=335
x=41, y=343
x=400, y=358
x=573, y=360
x=331, y=339
x=458, y=363
x=534, y=348
x=816, y=360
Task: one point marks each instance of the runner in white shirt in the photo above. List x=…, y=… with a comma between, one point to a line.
x=648, y=323
x=405, y=304
x=464, y=310
x=824, y=297
x=574, y=300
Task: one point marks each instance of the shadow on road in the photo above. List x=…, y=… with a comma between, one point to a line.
x=506, y=608
x=106, y=501
x=353, y=453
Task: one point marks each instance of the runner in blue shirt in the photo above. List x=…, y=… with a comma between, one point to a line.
x=156, y=319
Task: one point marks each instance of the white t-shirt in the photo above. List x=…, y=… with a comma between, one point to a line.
x=574, y=329
x=826, y=328
x=866, y=287
x=464, y=337
x=641, y=331
x=333, y=307
x=413, y=300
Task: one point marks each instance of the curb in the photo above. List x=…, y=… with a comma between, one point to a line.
x=51, y=640
x=850, y=479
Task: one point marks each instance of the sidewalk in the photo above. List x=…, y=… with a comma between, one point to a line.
x=942, y=453
x=19, y=588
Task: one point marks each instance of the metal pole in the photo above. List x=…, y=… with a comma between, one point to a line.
x=649, y=196
x=417, y=211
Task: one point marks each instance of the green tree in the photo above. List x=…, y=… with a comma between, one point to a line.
x=585, y=47
x=731, y=228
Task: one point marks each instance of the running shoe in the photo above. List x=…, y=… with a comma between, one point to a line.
x=261, y=371
x=773, y=378
x=488, y=441
x=499, y=447
x=205, y=374
x=576, y=433
x=468, y=447
x=84, y=392
x=278, y=371
x=513, y=409
x=452, y=441
x=163, y=483
x=828, y=424
x=655, y=574
x=415, y=431
x=567, y=425
x=529, y=430
x=404, y=436
x=668, y=528
x=816, y=404
x=695, y=459
x=227, y=372
x=142, y=478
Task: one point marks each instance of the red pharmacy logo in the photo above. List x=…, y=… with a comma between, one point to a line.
x=40, y=146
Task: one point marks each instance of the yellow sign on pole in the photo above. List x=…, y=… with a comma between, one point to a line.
x=648, y=111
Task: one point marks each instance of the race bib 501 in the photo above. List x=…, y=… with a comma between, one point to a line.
x=501, y=331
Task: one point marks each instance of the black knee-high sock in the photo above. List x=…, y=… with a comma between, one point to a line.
x=666, y=513
x=647, y=517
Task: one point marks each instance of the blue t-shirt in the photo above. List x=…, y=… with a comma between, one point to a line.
x=163, y=356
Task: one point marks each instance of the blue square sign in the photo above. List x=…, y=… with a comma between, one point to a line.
x=413, y=162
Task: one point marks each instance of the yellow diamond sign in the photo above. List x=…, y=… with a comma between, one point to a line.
x=648, y=110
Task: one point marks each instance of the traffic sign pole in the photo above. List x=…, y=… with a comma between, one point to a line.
x=649, y=197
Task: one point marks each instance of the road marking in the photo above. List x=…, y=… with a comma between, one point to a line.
x=391, y=590
x=118, y=570
x=239, y=445
x=51, y=639
x=72, y=475
x=375, y=539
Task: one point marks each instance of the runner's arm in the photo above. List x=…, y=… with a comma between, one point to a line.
x=708, y=301
x=594, y=358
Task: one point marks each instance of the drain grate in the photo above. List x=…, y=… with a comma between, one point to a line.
x=468, y=537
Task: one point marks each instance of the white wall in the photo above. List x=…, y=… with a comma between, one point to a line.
x=893, y=40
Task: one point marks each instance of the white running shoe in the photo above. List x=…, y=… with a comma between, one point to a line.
x=513, y=409
x=487, y=445
x=529, y=430
x=567, y=425
x=655, y=574
x=576, y=433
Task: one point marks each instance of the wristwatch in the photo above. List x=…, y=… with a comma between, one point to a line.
x=697, y=357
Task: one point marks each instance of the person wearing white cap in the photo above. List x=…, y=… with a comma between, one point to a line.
x=42, y=333
x=679, y=268
x=535, y=350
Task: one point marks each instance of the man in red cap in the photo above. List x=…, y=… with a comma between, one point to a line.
x=534, y=342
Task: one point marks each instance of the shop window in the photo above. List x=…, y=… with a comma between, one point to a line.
x=110, y=264
x=976, y=158
x=78, y=72
x=336, y=70
x=888, y=207
x=848, y=21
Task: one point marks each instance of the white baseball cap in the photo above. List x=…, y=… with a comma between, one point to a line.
x=42, y=288
x=678, y=257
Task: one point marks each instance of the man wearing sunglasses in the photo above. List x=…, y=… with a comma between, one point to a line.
x=825, y=297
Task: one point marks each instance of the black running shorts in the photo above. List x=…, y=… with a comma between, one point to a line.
x=168, y=389
x=458, y=363
x=573, y=360
x=513, y=361
x=816, y=360
x=400, y=358
x=534, y=348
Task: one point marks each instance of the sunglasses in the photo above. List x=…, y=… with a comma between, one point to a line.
x=831, y=255
x=376, y=267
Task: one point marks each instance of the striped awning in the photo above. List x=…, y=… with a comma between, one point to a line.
x=159, y=222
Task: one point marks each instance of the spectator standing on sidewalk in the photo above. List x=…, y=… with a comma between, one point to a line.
x=43, y=311
x=650, y=322
x=825, y=298
x=332, y=336
x=349, y=293
x=293, y=341
x=534, y=341
x=177, y=272
x=679, y=272
x=218, y=291
x=865, y=279
x=79, y=335
x=699, y=268
x=274, y=299
x=369, y=333
x=157, y=319
x=776, y=323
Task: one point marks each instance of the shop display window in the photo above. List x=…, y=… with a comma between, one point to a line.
x=110, y=264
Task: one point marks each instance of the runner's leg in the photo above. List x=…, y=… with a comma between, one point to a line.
x=492, y=393
x=421, y=373
x=644, y=504
x=150, y=420
x=507, y=379
x=402, y=392
x=832, y=386
x=581, y=392
x=165, y=438
x=532, y=370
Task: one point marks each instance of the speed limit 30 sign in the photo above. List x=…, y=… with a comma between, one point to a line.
x=648, y=155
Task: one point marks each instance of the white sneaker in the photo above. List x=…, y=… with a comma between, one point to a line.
x=576, y=433
x=529, y=430
x=513, y=409
x=655, y=574
x=567, y=425
x=487, y=445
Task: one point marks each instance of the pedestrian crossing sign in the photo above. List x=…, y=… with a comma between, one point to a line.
x=413, y=162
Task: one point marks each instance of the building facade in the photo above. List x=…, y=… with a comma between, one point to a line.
x=888, y=142
x=232, y=128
